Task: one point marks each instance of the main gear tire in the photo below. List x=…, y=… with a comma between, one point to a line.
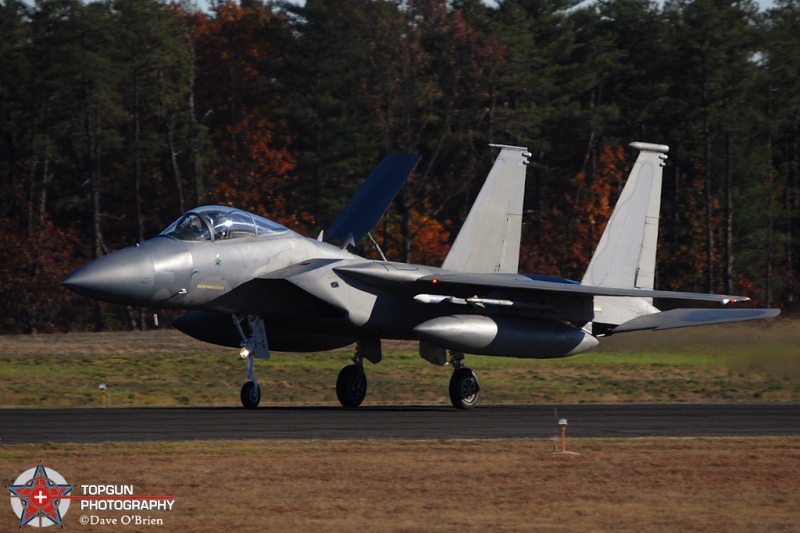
x=351, y=386
x=464, y=389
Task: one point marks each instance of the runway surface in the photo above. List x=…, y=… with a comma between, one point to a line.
x=413, y=422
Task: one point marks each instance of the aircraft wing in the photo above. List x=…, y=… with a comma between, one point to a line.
x=460, y=284
x=372, y=199
x=676, y=318
x=518, y=292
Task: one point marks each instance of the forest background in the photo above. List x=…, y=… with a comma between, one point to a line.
x=116, y=116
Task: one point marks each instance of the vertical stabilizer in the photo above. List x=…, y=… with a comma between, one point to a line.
x=489, y=239
x=626, y=254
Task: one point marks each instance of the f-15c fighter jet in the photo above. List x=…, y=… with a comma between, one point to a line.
x=251, y=283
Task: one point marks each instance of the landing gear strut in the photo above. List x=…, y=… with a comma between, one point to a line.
x=351, y=385
x=464, y=388
x=253, y=346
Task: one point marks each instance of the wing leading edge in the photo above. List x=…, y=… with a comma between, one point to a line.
x=465, y=283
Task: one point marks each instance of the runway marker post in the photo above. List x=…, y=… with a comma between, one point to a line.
x=563, y=423
x=104, y=399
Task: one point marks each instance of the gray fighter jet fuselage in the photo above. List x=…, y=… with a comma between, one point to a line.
x=251, y=283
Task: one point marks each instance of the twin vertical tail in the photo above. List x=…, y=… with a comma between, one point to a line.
x=626, y=254
x=489, y=239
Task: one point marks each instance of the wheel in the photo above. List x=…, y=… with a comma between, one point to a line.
x=464, y=389
x=251, y=395
x=351, y=386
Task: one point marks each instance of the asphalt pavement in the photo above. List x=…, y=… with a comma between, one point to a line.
x=407, y=422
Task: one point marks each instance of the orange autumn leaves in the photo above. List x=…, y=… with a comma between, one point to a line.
x=253, y=166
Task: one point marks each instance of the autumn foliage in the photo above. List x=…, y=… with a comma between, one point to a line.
x=560, y=241
x=252, y=165
x=34, y=263
x=117, y=116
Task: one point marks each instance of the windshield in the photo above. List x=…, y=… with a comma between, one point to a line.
x=216, y=223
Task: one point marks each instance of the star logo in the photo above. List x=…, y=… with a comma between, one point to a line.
x=39, y=497
x=218, y=261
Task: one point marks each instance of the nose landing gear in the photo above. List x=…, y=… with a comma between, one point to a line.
x=250, y=394
x=253, y=346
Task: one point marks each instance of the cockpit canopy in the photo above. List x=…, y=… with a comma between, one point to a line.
x=216, y=223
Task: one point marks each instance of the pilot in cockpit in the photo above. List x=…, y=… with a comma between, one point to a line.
x=192, y=228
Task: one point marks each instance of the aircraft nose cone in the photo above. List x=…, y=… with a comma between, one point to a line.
x=124, y=277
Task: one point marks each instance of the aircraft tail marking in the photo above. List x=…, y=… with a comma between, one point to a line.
x=625, y=257
x=489, y=239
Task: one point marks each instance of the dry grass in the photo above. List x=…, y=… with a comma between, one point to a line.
x=727, y=484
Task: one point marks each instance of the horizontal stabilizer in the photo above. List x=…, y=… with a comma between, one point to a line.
x=372, y=199
x=684, y=318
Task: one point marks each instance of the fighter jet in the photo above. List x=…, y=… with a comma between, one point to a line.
x=251, y=283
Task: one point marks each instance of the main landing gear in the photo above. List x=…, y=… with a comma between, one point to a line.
x=464, y=387
x=351, y=385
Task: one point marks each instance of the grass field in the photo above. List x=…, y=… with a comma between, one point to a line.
x=722, y=484
x=708, y=485
x=744, y=362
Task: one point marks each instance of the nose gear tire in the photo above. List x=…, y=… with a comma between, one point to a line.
x=251, y=395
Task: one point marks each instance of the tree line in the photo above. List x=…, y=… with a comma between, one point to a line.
x=116, y=116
